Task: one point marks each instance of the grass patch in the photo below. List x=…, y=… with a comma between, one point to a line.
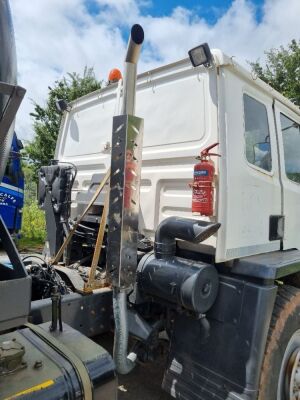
x=33, y=233
x=35, y=245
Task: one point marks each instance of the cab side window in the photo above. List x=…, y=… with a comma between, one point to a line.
x=291, y=146
x=257, y=135
x=11, y=172
x=8, y=169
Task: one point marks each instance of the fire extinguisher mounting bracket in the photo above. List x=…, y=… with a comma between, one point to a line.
x=205, y=152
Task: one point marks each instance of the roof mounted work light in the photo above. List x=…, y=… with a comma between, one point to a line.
x=201, y=55
x=62, y=105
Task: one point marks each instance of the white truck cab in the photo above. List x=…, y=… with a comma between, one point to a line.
x=185, y=109
x=223, y=285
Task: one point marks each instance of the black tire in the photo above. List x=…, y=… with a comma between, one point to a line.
x=283, y=340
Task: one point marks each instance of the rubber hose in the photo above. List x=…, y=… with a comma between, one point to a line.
x=124, y=362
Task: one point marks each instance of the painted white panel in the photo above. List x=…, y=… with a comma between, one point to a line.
x=249, y=195
x=291, y=190
x=173, y=111
x=89, y=128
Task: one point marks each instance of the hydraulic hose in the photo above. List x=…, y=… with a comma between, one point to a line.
x=124, y=363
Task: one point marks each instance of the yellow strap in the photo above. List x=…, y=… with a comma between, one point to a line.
x=72, y=231
x=99, y=242
x=41, y=386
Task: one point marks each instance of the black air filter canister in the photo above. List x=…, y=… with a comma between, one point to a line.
x=190, y=284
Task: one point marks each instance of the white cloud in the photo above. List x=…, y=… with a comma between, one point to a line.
x=54, y=37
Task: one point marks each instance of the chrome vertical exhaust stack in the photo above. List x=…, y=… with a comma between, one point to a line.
x=134, y=44
x=123, y=216
x=126, y=158
x=132, y=56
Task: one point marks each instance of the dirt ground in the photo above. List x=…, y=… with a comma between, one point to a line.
x=144, y=382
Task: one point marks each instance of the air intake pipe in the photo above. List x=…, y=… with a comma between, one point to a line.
x=173, y=228
x=193, y=285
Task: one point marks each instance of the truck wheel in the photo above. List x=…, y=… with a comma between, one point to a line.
x=280, y=375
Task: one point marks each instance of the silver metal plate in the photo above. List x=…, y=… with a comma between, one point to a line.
x=123, y=214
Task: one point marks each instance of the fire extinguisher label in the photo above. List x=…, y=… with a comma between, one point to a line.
x=202, y=172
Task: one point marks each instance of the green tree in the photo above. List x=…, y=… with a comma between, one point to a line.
x=47, y=119
x=282, y=70
x=30, y=191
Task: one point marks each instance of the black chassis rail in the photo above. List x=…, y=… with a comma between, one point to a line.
x=89, y=314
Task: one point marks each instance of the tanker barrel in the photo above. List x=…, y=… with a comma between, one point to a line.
x=10, y=94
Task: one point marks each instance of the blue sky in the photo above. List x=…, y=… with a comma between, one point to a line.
x=54, y=37
x=210, y=10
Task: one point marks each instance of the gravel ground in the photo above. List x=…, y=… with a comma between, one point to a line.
x=144, y=382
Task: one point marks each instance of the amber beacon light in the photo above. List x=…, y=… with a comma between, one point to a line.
x=115, y=75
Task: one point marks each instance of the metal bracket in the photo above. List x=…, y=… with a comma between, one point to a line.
x=12, y=252
x=74, y=277
x=276, y=227
x=126, y=162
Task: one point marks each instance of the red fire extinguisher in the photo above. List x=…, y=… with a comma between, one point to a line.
x=130, y=176
x=203, y=189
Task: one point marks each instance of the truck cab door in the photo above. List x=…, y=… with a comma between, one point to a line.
x=249, y=185
x=288, y=128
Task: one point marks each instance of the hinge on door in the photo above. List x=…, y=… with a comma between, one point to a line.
x=276, y=227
